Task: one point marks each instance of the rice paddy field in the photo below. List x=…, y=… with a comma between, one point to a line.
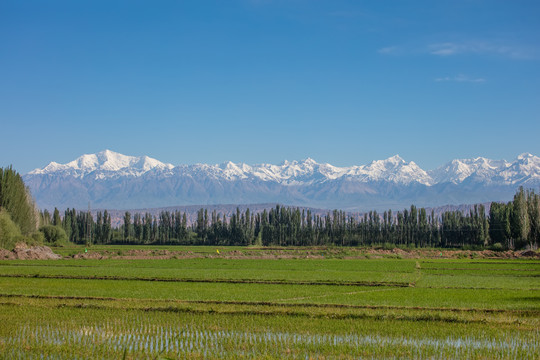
x=300, y=308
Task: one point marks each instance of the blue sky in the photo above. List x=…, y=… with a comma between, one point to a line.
x=253, y=81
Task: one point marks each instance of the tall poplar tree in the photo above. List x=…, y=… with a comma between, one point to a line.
x=15, y=198
x=520, y=219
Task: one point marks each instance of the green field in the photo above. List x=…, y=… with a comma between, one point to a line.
x=218, y=307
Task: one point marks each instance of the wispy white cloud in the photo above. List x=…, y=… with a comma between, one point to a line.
x=390, y=50
x=474, y=47
x=460, y=78
x=479, y=47
x=444, y=49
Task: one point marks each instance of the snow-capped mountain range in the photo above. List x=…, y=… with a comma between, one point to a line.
x=112, y=180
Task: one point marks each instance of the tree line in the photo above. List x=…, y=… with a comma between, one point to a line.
x=512, y=225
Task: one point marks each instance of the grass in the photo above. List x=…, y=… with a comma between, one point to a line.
x=330, y=270
x=213, y=307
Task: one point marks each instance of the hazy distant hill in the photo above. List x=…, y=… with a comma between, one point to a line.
x=115, y=181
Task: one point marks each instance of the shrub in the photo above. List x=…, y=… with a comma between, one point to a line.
x=54, y=235
x=10, y=233
x=37, y=238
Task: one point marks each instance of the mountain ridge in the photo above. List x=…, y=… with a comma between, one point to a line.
x=121, y=181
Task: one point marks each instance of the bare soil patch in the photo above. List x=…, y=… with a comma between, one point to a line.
x=7, y=255
x=25, y=252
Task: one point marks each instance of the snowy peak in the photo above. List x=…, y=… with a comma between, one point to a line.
x=105, y=161
x=309, y=162
x=528, y=163
x=393, y=160
x=112, y=161
x=524, y=170
x=232, y=171
x=287, y=172
x=456, y=171
x=395, y=169
x=526, y=156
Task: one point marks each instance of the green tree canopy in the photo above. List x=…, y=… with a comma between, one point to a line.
x=15, y=198
x=54, y=234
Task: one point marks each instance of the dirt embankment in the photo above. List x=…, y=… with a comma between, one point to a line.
x=22, y=251
x=452, y=254
x=25, y=252
x=308, y=253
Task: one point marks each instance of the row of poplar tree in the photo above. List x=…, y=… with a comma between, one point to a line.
x=512, y=225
